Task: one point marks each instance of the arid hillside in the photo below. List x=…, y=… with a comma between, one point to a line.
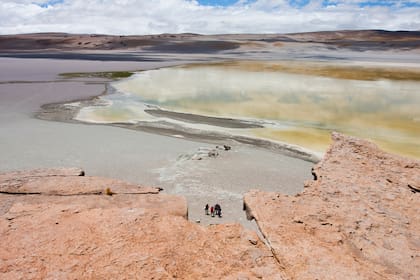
x=195, y=43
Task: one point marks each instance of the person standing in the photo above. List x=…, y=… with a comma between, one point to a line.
x=212, y=211
x=206, y=209
x=217, y=210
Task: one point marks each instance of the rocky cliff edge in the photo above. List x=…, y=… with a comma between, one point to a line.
x=358, y=219
x=58, y=224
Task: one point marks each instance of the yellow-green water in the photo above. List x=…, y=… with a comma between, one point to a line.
x=295, y=108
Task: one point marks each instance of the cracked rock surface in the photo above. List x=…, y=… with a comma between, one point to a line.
x=56, y=224
x=359, y=219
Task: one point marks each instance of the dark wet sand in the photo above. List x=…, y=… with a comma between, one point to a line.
x=192, y=118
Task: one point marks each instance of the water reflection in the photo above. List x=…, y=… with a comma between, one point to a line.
x=299, y=109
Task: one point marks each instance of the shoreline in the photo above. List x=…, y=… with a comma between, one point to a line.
x=65, y=112
x=186, y=125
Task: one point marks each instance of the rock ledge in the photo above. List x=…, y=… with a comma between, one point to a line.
x=56, y=224
x=358, y=220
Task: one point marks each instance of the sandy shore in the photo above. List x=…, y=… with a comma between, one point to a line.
x=68, y=112
x=136, y=156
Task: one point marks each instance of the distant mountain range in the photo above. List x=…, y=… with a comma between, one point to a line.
x=195, y=43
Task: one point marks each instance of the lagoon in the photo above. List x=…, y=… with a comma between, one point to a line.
x=299, y=106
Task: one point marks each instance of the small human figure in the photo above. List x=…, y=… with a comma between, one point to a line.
x=218, y=210
x=212, y=211
x=206, y=209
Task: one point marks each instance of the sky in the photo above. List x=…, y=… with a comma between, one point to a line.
x=140, y=17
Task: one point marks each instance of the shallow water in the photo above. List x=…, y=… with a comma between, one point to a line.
x=293, y=108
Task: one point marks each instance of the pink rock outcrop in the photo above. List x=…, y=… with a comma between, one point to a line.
x=55, y=224
x=358, y=220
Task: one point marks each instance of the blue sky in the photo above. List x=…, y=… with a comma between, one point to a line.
x=303, y=3
x=293, y=3
x=389, y=3
x=50, y=3
x=217, y=2
x=205, y=16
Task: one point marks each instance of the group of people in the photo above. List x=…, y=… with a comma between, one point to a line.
x=215, y=210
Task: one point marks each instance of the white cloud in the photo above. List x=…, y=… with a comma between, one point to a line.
x=176, y=16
